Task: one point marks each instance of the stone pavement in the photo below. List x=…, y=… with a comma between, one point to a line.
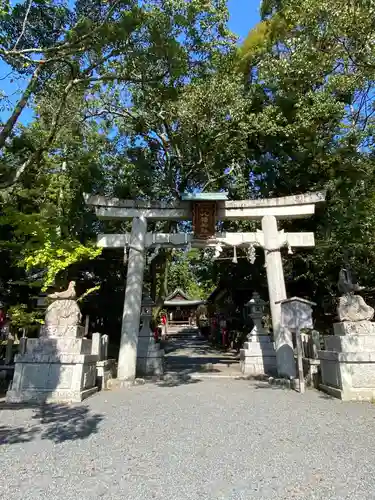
x=216, y=439
x=192, y=355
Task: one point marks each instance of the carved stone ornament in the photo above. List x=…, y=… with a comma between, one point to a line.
x=345, y=283
x=354, y=308
x=69, y=293
x=62, y=319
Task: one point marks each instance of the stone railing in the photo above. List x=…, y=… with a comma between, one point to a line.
x=100, y=346
x=105, y=368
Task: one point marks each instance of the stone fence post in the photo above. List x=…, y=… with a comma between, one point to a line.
x=104, y=347
x=9, y=350
x=22, y=346
x=99, y=346
x=96, y=344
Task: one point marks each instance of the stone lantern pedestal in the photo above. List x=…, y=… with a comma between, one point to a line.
x=150, y=358
x=258, y=356
x=58, y=366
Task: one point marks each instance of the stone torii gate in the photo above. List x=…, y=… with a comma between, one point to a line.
x=204, y=209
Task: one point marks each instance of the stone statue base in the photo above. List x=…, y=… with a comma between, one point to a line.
x=59, y=366
x=258, y=356
x=106, y=370
x=348, y=363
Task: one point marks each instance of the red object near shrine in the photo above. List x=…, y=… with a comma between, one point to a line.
x=2, y=318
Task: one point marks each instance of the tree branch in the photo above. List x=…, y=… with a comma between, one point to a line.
x=62, y=46
x=19, y=172
x=51, y=136
x=23, y=24
x=213, y=179
x=12, y=120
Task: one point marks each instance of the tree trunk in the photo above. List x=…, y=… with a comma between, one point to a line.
x=163, y=280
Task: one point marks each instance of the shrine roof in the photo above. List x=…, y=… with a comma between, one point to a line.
x=176, y=292
x=187, y=303
x=180, y=298
x=204, y=196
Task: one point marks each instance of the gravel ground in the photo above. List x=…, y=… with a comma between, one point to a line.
x=211, y=439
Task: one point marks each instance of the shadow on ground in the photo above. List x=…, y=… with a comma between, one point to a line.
x=275, y=387
x=55, y=422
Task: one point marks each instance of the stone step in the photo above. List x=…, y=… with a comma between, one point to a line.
x=183, y=333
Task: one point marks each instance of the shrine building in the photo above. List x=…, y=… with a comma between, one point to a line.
x=180, y=307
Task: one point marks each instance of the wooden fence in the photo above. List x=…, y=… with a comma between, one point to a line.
x=310, y=347
x=310, y=344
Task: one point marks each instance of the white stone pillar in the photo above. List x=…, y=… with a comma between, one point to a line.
x=127, y=360
x=95, y=344
x=104, y=347
x=276, y=289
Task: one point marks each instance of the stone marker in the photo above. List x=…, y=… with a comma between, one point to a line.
x=62, y=319
x=104, y=342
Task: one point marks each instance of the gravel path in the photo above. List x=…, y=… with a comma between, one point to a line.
x=212, y=439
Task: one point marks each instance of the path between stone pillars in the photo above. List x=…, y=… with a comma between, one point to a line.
x=187, y=353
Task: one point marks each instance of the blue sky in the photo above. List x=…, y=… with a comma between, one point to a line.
x=244, y=14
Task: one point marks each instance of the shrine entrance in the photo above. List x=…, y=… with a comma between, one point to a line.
x=180, y=308
x=204, y=209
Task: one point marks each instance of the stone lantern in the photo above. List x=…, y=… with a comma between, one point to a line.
x=147, y=306
x=149, y=354
x=256, y=308
x=258, y=356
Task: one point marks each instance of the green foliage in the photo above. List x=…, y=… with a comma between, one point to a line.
x=189, y=271
x=57, y=259
x=20, y=317
x=88, y=292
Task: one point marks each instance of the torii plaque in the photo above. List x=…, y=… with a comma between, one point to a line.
x=204, y=213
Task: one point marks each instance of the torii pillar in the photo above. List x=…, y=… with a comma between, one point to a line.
x=276, y=289
x=127, y=360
